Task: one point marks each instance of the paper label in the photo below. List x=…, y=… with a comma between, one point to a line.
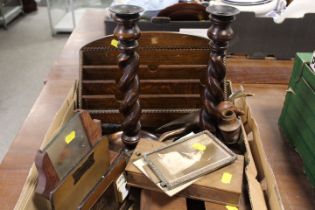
x=121, y=184
x=114, y=43
x=141, y=164
x=312, y=64
x=70, y=137
x=226, y=178
x=194, y=31
x=231, y=207
x=199, y=147
x=177, y=162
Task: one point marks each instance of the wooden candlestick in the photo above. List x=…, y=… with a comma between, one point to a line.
x=127, y=33
x=220, y=33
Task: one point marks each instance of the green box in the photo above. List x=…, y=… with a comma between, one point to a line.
x=297, y=120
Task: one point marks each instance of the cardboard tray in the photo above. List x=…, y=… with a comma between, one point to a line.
x=256, y=37
x=261, y=185
x=176, y=80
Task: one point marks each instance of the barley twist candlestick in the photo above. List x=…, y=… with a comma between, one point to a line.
x=127, y=32
x=220, y=33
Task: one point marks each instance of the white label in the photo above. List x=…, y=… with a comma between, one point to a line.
x=195, y=32
x=312, y=64
x=177, y=162
x=121, y=184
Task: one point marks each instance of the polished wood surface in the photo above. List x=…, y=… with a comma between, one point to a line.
x=183, y=11
x=127, y=33
x=174, y=81
x=170, y=81
x=266, y=105
x=151, y=200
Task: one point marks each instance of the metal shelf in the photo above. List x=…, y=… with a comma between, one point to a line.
x=9, y=10
x=65, y=14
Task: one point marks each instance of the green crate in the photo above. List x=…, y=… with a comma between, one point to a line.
x=297, y=119
x=305, y=153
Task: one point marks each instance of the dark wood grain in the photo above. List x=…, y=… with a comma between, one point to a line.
x=220, y=33
x=107, y=72
x=148, y=101
x=48, y=178
x=174, y=86
x=149, y=120
x=92, y=127
x=151, y=200
x=267, y=71
x=174, y=82
x=182, y=11
x=127, y=33
x=152, y=57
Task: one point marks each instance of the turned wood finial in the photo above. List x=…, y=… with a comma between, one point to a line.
x=219, y=33
x=127, y=33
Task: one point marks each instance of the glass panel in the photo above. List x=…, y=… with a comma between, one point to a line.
x=247, y=2
x=58, y=10
x=188, y=159
x=69, y=146
x=65, y=14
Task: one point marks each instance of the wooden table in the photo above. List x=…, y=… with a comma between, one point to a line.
x=266, y=107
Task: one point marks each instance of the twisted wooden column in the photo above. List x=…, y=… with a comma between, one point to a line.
x=220, y=33
x=127, y=32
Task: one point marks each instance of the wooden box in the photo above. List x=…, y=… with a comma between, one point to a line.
x=152, y=200
x=297, y=118
x=208, y=188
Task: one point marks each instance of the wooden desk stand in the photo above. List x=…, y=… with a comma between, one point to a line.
x=72, y=163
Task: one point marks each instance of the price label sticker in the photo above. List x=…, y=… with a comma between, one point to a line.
x=114, y=43
x=70, y=137
x=199, y=147
x=226, y=178
x=312, y=64
x=231, y=207
x=121, y=184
